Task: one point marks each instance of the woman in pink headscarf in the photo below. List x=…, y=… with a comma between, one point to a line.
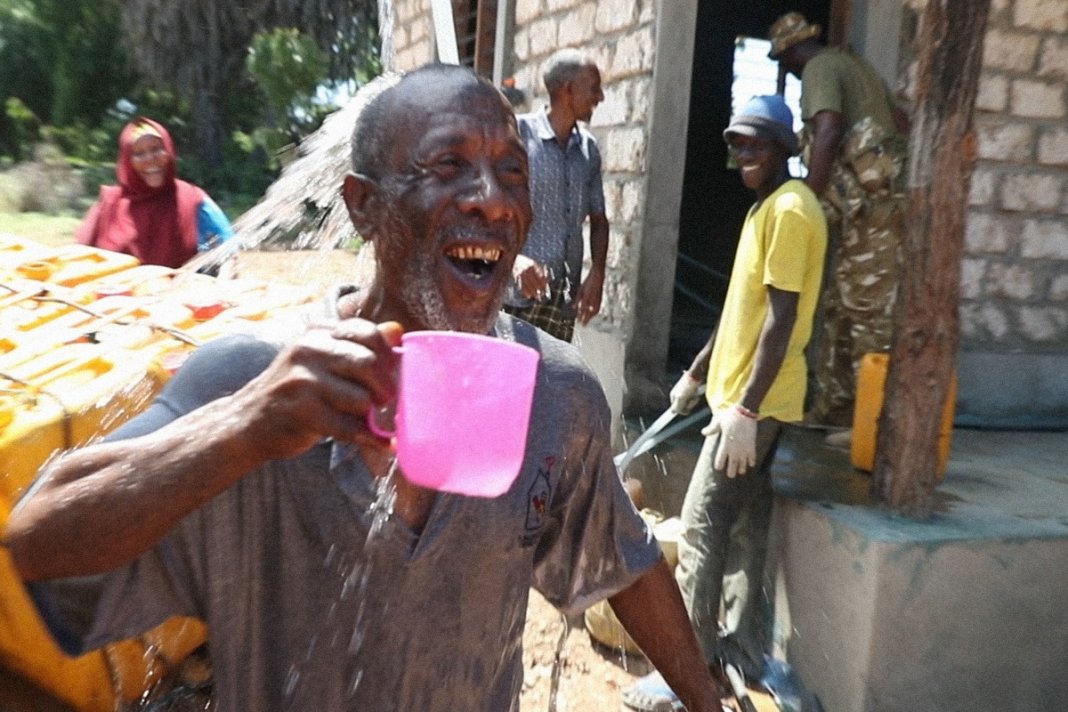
x=151, y=214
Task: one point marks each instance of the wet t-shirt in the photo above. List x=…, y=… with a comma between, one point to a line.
x=317, y=599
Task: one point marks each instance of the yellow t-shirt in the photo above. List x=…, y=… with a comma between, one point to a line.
x=782, y=245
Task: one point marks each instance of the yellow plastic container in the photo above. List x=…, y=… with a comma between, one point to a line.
x=130, y=322
x=71, y=265
x=64, y=398
x=871, y=386
x=60, y=388
x=26, y=304
x=146, y=280
x=15, y=250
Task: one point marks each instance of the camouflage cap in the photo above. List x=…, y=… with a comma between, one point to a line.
x=788, y=30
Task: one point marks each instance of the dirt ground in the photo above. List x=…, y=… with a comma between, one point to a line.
x=591, y=676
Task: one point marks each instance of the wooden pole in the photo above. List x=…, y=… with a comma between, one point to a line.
x=942, y=150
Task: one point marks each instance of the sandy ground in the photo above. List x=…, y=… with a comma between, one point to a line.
x=591, y=676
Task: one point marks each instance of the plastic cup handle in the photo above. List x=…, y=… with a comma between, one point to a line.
x=372, y=424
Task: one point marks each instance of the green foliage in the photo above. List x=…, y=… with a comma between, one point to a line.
x=288, y=68
x=62, y=59
x=240, y=181
x=88, y=67
x=81, y=142
x=201, y=47
x=66, y=78
x=22, y=125
x=24, y=53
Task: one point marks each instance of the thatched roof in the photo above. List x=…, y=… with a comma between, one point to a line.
x=303, y=209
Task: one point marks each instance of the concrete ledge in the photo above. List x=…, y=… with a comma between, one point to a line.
x=998, y=390
x=960, y=612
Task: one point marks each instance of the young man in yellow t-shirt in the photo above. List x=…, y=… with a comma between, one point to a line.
x=854, y=145
x=753, y=373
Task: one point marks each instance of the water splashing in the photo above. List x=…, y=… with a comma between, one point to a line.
x=558, y=659
x=386, y=497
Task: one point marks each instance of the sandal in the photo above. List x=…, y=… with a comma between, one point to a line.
x=651, y=694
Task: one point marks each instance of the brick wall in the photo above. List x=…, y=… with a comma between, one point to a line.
x=1015, y=268
x=413, y=28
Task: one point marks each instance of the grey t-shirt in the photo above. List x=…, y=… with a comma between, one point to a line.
x=316, y=599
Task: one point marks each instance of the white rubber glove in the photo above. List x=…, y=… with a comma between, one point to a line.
x=737, y=442
x=686, y=394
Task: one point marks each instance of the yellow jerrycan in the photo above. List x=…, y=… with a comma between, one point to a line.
x=871, y=386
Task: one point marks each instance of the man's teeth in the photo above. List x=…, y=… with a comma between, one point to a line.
x=474, y=252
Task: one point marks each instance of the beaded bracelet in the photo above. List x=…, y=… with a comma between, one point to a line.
x=746, y=412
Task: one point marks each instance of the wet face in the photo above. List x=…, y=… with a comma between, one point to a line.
x=150, y=159
x=455, y=205
x=586, y=93
x=760, y=161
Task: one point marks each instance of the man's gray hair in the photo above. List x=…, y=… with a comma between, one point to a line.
x=564, y=66
x=369, y=133
x=373, y=131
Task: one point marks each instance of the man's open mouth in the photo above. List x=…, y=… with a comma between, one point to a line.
x=473, y=260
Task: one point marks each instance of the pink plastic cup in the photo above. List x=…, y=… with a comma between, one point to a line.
x=463, y=410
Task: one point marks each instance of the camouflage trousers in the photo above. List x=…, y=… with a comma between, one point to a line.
x=857, y=304
x=865, y=209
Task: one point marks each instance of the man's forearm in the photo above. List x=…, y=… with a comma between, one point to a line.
x=652, y=611
x=699, y=367
x=771, y=347
x=599, y=242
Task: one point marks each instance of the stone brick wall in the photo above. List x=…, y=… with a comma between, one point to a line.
x=1015, y=268
x=413, y=30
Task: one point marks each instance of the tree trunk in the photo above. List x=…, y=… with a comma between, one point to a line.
x=64, y=91
x=207, y=121
x=942, y=149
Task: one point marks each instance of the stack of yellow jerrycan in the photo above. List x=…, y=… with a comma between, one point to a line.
x=87, y=338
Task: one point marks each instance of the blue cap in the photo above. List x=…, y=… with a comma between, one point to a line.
x=765, y=117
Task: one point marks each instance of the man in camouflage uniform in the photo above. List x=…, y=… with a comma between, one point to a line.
x=854, y=147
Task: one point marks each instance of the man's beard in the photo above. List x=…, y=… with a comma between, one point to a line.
x=420, y=291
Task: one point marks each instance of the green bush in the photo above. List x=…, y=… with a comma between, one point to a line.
x=81, y=142
x=23, y=123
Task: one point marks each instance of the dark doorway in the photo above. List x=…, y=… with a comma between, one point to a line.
x=714, y=201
